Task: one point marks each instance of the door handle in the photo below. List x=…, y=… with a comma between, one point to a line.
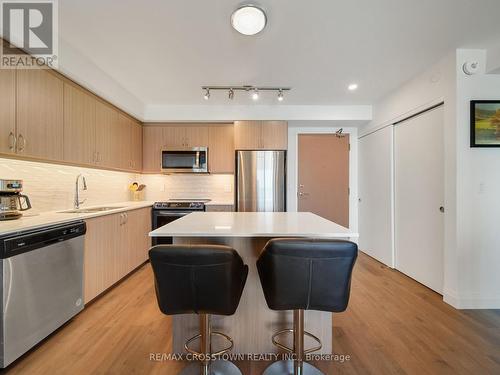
x=22, y=143
x=12, y=141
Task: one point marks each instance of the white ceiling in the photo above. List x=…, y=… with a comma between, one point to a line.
x=163, y=51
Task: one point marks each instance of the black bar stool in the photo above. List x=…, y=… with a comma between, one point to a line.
x=304, y=274
x=203, y=280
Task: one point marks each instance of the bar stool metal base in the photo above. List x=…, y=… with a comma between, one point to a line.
x=288, y=368
x=218, y=367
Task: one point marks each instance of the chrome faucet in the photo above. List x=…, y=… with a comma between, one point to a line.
x=77, y=201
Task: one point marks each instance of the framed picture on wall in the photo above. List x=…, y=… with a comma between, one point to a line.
x=485, y=123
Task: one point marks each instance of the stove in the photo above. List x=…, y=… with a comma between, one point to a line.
x=180, y=205
x=171, y=210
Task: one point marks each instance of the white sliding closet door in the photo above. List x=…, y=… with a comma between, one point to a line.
x=375, y=195
x=419, y=195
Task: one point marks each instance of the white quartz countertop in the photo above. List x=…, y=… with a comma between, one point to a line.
x=253, y=224
x=28, y=222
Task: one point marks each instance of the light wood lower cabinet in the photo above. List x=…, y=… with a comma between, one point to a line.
x=114, y=246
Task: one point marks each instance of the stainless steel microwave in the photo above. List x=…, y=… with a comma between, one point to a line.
x=185, y=160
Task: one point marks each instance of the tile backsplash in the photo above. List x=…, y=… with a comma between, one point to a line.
x=51, y=187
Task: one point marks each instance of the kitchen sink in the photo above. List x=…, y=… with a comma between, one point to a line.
x=89, y=210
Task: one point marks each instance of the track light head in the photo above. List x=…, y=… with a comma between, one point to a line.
x=280, y=95
x=207, y=94
x=255, y=94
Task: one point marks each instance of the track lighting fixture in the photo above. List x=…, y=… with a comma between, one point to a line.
x=280, y=95
x=207, y=94
x=255, y=95
x=254, y=91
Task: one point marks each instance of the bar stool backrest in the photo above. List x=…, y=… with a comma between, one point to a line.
x=198, y=279
x=307, y=274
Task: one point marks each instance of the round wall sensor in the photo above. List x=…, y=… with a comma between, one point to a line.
x=470, y=68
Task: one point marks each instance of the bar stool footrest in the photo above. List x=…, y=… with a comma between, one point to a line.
x=213, y=333
x=290, y=350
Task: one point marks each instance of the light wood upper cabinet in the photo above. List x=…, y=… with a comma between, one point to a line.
x=274, y=135
x=79, y=125
x=39, y=114
x=107, y=136
x=7, y=111
x=261, y=135
x=124, y=139
x=247, y=135
x=221, y=148
x=136, y=146
x=151, y=152
x=196, y=136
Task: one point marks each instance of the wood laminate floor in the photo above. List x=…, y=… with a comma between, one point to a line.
x=393, y=326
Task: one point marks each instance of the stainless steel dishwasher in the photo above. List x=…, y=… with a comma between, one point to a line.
x=42, y=285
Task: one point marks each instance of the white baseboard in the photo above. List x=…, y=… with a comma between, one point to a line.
x=471, y=301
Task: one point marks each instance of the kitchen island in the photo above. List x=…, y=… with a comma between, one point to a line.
x=253, y=324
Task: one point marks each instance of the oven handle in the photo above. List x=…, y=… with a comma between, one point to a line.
x=167, y=213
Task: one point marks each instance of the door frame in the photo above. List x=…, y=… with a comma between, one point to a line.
x=292, y=166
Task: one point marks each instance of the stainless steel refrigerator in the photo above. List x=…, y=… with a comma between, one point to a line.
x=260, y=181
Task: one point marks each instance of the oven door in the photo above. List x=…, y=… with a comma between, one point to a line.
x=193, y=160
x=161, y=218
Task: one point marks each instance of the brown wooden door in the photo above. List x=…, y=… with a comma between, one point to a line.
x=8, y=111
x=39, y=114
x=323, y=176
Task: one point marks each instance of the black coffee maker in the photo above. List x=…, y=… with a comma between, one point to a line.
x=12, y=202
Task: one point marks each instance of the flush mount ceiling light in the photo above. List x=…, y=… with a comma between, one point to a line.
x=249, y=20
x=254, y=91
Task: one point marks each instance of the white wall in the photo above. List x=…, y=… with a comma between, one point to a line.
x=478, y=196
x=312, y=127
x=435, y=85
x=159, y=113
x=472, y=177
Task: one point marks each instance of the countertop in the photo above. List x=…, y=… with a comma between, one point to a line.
x=57, y=217
x=218, y=202
x=253, y=224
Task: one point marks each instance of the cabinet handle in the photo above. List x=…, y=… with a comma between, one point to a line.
x=22, y=143
x=12, y=141
x=126, y=218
